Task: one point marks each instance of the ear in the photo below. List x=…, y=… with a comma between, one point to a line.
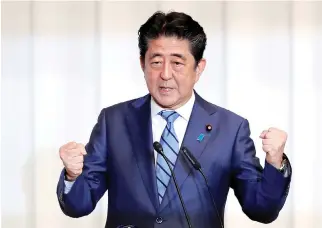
x=200, y=68
x=142, y=63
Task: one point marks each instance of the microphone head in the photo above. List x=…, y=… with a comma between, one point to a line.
x=158, y=147
x=194, y=162
x=184, y=150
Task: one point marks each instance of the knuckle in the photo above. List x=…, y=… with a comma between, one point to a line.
x=70, y=145
x=64, y=158
x=61, y=151
x=80, y=145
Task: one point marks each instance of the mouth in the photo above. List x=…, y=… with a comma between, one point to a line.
x=165, y=89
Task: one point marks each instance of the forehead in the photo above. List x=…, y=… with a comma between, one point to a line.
x=169, y=46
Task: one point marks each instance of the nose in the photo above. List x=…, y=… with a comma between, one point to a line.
x=166, y=73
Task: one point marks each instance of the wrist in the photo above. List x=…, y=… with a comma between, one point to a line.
x=276, y=162
x=69, y=177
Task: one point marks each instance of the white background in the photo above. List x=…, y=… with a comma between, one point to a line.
x=63, y=61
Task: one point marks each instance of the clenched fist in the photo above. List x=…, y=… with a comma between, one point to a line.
x=72, y=155
x=274, y=141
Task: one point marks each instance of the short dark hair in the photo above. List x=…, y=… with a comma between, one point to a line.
x=175, y=24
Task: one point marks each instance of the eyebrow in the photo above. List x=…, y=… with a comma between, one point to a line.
x=172, y=54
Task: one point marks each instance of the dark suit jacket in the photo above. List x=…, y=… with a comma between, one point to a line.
x=120, y=159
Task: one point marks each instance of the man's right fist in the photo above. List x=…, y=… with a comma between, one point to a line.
x=72, y=155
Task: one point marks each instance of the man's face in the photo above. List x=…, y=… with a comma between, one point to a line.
x=170, y=71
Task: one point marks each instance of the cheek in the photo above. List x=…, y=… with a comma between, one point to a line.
x=184, y=82
x=151, y=78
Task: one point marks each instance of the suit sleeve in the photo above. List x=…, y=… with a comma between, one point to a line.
x=261, y=192
x=91, y=185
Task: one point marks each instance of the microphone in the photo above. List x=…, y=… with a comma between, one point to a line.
x=158, y=147
x=126, y=226
x=197, y=167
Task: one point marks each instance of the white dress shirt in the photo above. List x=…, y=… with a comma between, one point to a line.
x=158, y=125
x=180, y=124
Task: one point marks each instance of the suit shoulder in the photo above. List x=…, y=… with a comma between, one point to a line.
x=122, y=106
x=220, y=111
x=229, y=117
x=231, y=114
x=232, y=120
x=224, y=112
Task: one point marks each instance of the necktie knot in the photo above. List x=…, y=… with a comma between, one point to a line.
x=169, y=116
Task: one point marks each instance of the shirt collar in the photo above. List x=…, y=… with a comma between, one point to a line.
x=184, y=111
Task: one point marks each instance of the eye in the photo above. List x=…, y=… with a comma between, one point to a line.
x=155, y=63
x=177, y=64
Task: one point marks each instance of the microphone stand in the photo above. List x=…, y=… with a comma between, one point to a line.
x=194, y=162
x=158, y=147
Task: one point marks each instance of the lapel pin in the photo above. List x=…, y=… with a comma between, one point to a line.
x=200, y=137
x=208, y=127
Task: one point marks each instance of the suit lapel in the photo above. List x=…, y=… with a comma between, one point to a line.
x=200, y=117
x=140, y=129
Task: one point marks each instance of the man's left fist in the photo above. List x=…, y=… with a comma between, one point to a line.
x=273, y=144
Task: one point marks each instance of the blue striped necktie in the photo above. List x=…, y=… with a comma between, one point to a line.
x=170, y=146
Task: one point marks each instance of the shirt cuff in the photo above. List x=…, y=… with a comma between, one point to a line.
x=68, y=186
x=287, y=169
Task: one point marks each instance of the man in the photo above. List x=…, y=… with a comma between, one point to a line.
x=120, y=158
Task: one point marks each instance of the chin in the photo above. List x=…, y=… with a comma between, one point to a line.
x=167, y=102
